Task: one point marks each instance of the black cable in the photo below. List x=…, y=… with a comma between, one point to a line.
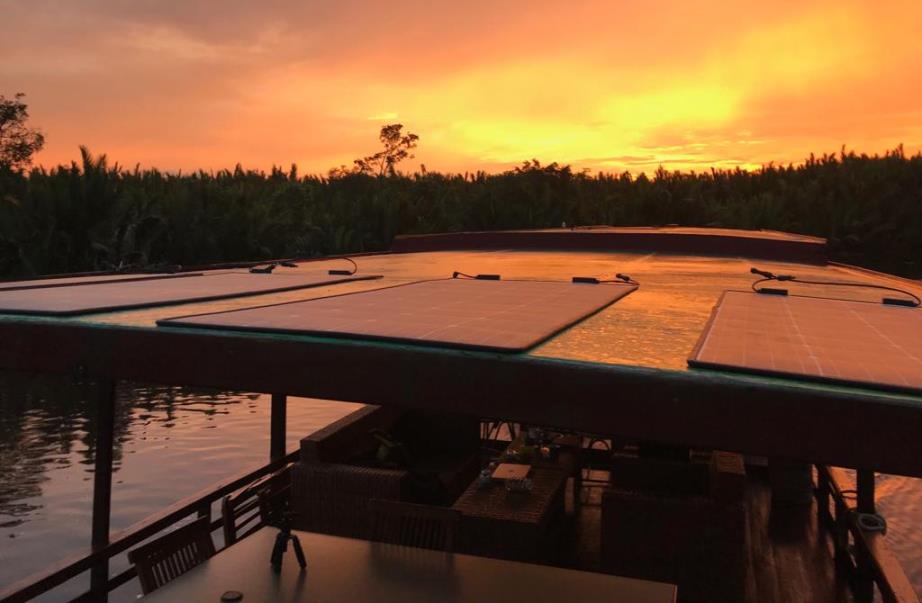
x=355, y=268
x=619, y=278
x=768, y=276
x=456, y=274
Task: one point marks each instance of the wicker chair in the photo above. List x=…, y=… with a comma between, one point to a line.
x=409, y=524
x=172, y=555
x=333, y=497
x=331, y=487
x=677, y=522
x=255, y=506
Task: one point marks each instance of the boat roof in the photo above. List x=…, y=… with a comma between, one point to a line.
x=656, y=327
x=618, y=370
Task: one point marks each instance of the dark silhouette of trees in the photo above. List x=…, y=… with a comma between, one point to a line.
x=397, y=147
x=96, y=215
x=18, y=142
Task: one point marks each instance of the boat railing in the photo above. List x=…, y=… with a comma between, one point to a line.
x=199, y=504
x=859, y=544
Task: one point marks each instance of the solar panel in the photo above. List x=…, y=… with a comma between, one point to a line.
x=848, y=342
x=70, y=281
x=479, y=314
x=104, y=297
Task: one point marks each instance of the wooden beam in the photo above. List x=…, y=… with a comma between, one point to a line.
x=102, y=485
x=892, y=581
x=883, y=565
x=771, y=417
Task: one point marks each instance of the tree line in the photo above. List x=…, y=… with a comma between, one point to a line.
x=95, y=216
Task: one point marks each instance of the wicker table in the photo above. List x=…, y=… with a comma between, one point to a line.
x=511, y=525
x=567, y=458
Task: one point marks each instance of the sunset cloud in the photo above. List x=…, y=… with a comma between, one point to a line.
x=486, y=85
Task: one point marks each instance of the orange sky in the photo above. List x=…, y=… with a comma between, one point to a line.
x=486, y=84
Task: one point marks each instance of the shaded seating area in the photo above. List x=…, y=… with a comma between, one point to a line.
x=678, y=520
x=381, y=453
x=701, y=520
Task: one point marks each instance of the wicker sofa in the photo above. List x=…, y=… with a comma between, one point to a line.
x=678, y=522
x=337, y=474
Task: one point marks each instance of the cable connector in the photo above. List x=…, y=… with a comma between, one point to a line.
x=476, y=277
x=772, y=276
x=895, y=301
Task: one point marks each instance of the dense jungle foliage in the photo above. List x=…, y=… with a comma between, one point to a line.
x=95, y=216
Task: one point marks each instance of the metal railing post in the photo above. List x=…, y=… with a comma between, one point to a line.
x=864, y=485
x=277, y=427
x=102, y=485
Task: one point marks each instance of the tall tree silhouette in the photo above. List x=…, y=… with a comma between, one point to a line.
x=17, y=141
x=397, y=147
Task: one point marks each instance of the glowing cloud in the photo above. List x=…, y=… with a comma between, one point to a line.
x=600, y=85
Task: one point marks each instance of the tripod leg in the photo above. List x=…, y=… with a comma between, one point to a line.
x=278, y=550
x=299, y=552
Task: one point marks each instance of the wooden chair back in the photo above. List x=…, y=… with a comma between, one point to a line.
x=410, y=524
x=255, y=506
x=172, y=555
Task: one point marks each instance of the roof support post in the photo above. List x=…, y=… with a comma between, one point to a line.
x=277, y=427
x=865, y=488
x=102, y=484
x=864, y=578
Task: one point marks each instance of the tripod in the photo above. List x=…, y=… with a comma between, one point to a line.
x=281, y=545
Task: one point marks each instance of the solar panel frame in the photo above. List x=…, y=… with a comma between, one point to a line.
x=617, y=291
x=286, y=282
x=66, y=281
x=696, y=361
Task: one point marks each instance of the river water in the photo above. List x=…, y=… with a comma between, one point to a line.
x=170, y=443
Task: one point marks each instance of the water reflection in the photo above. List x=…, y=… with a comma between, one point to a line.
x=169, y=442
x=41, y=421
x=48, y=423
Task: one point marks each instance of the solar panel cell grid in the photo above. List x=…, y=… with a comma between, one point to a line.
x=100, y=297
x=499, y=315
x=834, y=340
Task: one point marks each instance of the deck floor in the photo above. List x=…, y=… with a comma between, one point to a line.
x=790, y=556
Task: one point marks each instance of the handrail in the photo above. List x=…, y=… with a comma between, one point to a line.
x=871, y=558
x=69, y=567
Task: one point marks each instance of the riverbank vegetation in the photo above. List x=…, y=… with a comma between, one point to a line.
x=93, y=215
